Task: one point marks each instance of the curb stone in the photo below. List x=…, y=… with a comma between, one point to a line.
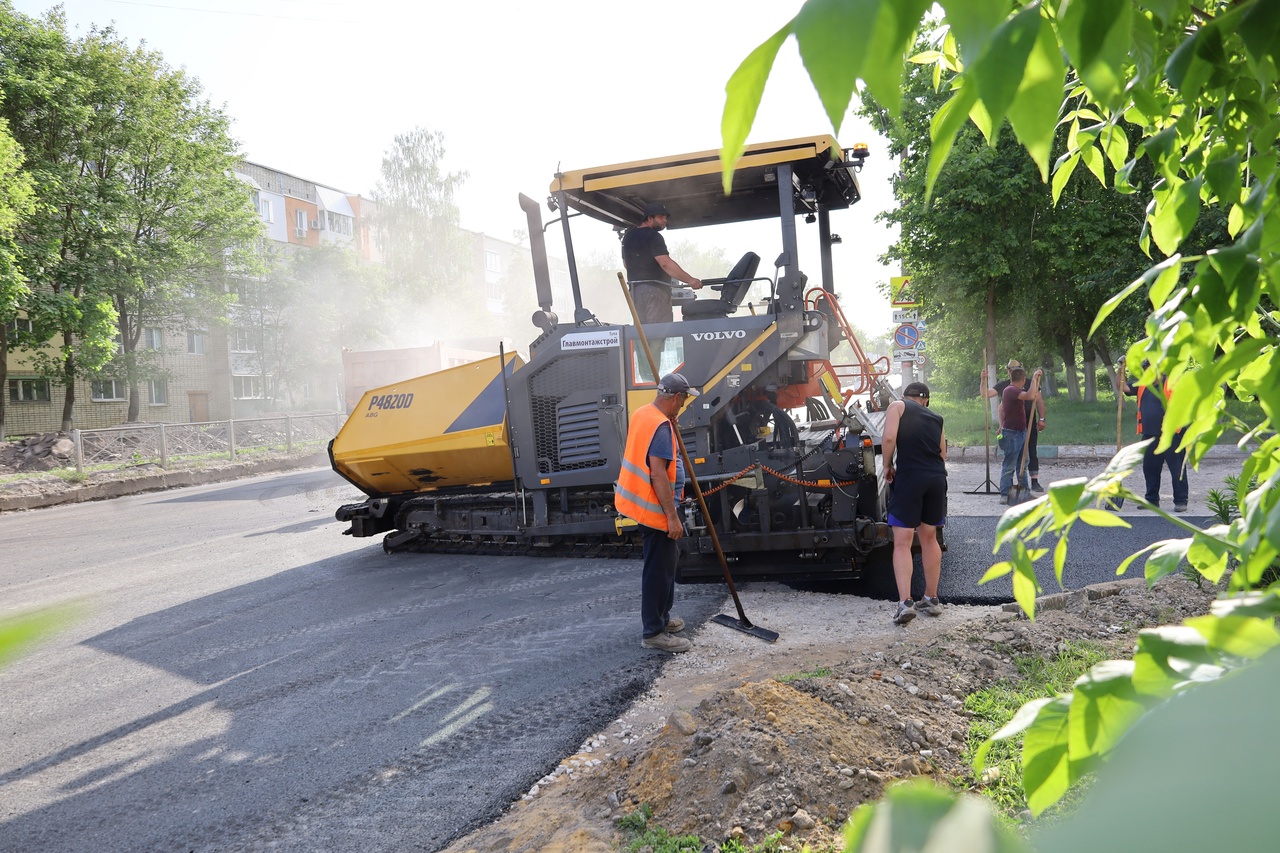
x=160, y=481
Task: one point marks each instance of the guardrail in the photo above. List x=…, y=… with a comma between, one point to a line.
x=139, y=444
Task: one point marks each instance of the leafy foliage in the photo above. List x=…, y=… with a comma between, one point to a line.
x=1198, y=88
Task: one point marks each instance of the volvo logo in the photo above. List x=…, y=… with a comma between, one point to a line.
x=719, y=336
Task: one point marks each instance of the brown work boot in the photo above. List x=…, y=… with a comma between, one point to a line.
x=674, y=625
x=666, y=642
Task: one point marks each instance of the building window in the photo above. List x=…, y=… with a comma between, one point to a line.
x=339, y=223
x=158, y=392
x=242, y=340
x=492, y=261
x=493, y=291
x=300, y=222
x=28, y=390
x=265, y=211
x=19, y=324
x=195, y=343
x=105, y=390
x=247, y=387
x=247, y=292
x=153, y=339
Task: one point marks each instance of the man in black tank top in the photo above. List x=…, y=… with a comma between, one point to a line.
x=918, y=495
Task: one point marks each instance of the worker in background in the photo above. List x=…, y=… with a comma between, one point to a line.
x=1014, y=413
x=646, y=492
x=918, y=499
x=650, y=269
x=1037, y=423
x=1151, y=401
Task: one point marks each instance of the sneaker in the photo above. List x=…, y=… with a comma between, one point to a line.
x=931, y=606
x=906, y=612
x=666, y=643
x=1036, y=487
x=674, y=625
x=1179, y=507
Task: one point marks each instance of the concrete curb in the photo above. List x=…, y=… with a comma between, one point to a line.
x=1084, y=451
x=160, y=481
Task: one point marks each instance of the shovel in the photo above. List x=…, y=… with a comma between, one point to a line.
x=742, y=623
x=1017, y=492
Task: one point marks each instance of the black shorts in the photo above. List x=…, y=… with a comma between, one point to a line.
x=917, y=499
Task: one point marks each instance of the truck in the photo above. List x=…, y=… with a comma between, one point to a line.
x=509, y=456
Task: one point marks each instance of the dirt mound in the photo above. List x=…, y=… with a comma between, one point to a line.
x=796, y=753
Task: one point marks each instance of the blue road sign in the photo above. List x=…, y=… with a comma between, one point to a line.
x=906, y=336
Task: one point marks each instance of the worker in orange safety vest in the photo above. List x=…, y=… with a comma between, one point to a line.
x=646, y=491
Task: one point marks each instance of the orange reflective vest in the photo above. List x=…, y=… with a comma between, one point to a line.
x=1168, y=392
x=633, y=494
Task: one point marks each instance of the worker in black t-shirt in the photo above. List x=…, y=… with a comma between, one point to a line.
x=649, y=267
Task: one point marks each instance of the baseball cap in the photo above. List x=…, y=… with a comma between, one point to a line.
x=675, y=383
x=655, y=208
x=916, y=389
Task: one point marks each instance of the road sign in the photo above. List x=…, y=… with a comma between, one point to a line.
x=920, y=345
x=901, y=294
x=906, y=336
x=905, y=317
x=901, y=354
x=919, y=324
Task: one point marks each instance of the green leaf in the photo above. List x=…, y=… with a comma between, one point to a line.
x=833, y=37
x=1243, y=636
x=1104, y=705
x=1102, y=518
x=742, y=101
x=1021, y=721
x=1223, y=175
x=1025, y=584
x=1046, y=762
x=1034, y=110
x=999, y=70
x=918, y=815
x=973, y=22
x=1169, y=656
x=1259, y=28
x=943, y=128
x=1092, y=157
x=1096, y=35
x=1059, y=559
x=1063, y=173
x=1065, y=495
x=1113, y=303
x=1209, y=557
x=998, y=570
x=1165, y=557
x=1116, y=144
x=1177, y=208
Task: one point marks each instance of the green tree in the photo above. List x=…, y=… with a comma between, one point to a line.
x=1200, y=88
x=48, y=86
x=172, y=215
x=417, y=216
x=15, y=203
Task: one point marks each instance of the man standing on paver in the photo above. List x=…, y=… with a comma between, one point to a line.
x=918, y=501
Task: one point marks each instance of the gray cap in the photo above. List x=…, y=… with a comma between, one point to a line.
x=675, y=383
x=916, y=389
x=655, y=208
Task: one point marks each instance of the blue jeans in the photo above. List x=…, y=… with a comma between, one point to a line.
x=1154, y=463
x=1011, y=443
x=658, y=580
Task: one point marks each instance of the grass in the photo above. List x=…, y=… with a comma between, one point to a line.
x=1068, y=422
x=645, y=836
x=996, y=705
x=818, y=672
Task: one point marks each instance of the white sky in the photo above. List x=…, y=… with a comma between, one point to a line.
x=320, y=88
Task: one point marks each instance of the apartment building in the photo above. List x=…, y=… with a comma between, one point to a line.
x=213, y=374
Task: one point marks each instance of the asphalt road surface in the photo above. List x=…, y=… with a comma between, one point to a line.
x=241, y=676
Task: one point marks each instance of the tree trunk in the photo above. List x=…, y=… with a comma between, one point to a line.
x=4, y=375
x=135, y=402
x=992, y=376
x=1067, y=351
x=1090, y=358
x=1049, y=382
x=69, y=380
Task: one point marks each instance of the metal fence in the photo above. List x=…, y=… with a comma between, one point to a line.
x=139, y=444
